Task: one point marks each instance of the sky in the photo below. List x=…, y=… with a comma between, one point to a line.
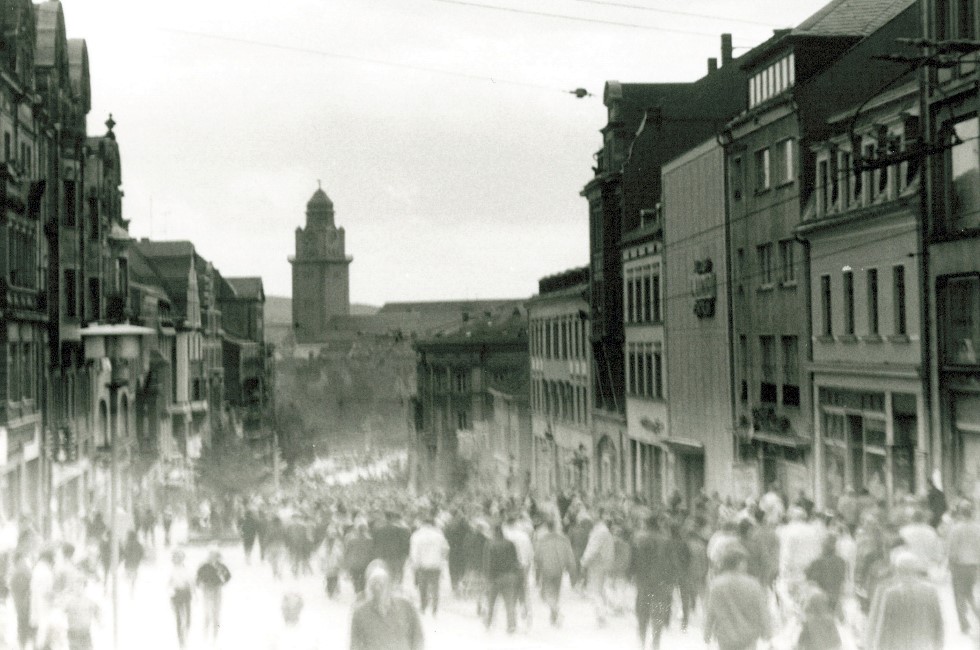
x=442, y=131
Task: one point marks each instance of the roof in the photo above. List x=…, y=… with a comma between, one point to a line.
x=50, y=20
x=446, y=306
x=506, y=324
x=851, y=17
x=247, y=287
x=319, y=200
x=78, y=72
x=174, y=248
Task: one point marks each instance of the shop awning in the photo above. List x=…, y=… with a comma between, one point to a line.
x=683, y=445
x=794, y=442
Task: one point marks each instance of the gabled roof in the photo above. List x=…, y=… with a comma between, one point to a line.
x=51, y=40
x=505, y=324
x=851, y=17
x=248, y=287
x=174, y=248
x=141, y=271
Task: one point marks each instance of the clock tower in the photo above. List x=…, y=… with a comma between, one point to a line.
x=321, y=281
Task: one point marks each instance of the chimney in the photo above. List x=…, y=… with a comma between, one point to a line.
x=726, y=49
x=712, y=65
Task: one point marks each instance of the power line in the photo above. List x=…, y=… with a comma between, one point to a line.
x=362, y=59
x=598, y=21
x=673, y=12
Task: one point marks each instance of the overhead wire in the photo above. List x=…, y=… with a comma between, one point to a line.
x=361, y=59
x=582, y=19
x=674, y=12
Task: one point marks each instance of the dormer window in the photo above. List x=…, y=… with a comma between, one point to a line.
x=772, y=80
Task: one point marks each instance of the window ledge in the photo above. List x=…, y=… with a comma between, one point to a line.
x=762, y=190
x=899, y=338
x=788, y=284
x=872, y=338
x=847, y=338
x=825, y=339
x=785, y=183
x=769, y=286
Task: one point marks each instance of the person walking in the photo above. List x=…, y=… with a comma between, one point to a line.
x=963, y=542
x=428, y=549
x=598, y=560
x=181, y=585
x=358, y=549
x=132, y=554
x=457, y=531
x=392, y=544
x=20, y=594
x=553, y=558
x=168, y=522
x=515, y=531
x=81, y=613
x=42, y=589
x=829, y=572
x=906, y=613
x=332, y=558
x=737, y=611
x=248, y=527
x=502, y=570
x=212, y=576
x=652, y=569
x=383, y=620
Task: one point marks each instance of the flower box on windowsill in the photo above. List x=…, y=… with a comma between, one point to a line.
x=769, y=286
x=872, y=338
x=899, y=338
x=788, y=284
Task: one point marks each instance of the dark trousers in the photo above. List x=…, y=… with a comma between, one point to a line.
x=332, y=582
x=182, y=616
x=504, y=586
x=689, y=596
x=427, y=580
x=964, y=576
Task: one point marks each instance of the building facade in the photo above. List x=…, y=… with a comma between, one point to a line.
x=861, y=226
x=951, y=233
x=321, y=282
x=455, y=371
x=558, y=328
x=647, y=421
x=699, y=439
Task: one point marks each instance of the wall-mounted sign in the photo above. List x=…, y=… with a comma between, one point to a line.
x=704, y=288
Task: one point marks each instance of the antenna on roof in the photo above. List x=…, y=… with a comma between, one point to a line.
x=318, y=186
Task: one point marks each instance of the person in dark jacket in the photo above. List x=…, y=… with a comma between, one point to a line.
x=358, y=553
x=132, y=554
x=829, y=571
x=937, y=502
x=502, y=570
x=653, y=571
x=737, y=611
x=392, y=543
x=249, y=528
x=212, y=576
x=456, y=533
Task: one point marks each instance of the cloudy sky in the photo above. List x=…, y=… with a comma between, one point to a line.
x=439, y=128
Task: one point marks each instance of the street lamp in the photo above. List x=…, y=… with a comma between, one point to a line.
x=119, y=344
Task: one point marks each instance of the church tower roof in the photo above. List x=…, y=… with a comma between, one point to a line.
x=319, y=209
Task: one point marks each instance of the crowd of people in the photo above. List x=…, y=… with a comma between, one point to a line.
x=865, y=574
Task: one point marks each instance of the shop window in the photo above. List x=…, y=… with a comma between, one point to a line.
x=960, y=306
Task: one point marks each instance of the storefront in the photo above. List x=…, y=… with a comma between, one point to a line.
x=965, y=414
x=868, y=440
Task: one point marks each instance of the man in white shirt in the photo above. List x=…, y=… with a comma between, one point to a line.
x=428, y=550
x=516, y=532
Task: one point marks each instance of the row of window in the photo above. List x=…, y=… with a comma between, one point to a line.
x=766, y=272
x=872, y=303
x=559, y=338
x=26, y=154
x=772, y=166
x=559, y=400
x=779, y=372
x=841, y=185
x=772, y=80
x=643, y=295
x=22, y=367
x=644, y=370
x=93, y=304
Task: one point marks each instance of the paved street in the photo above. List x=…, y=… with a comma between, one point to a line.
x=251, y=613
